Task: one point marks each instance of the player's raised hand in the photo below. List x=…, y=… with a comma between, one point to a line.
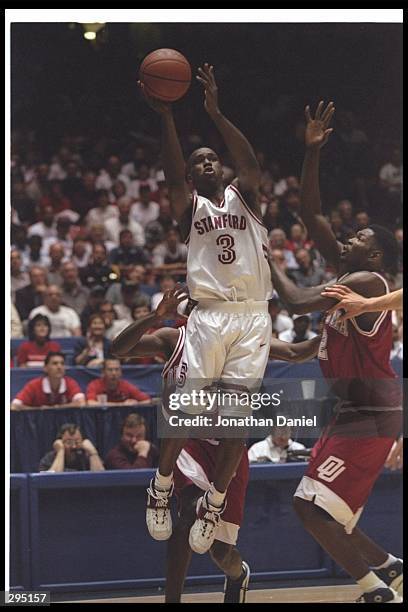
x=158, y=106
x=207, y=78
x=317, y=130
x=350, y=302
x=170, y=301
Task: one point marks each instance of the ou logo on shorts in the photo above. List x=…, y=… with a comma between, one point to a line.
x=330, y=469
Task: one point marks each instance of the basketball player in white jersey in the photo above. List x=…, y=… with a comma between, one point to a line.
x=195, y=464
x=228, y=335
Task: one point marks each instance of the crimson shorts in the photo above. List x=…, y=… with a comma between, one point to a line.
x=196, y=466
x=345, y=464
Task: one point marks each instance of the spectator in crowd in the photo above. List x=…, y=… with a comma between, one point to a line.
x=59, y=164
x=277, y=240
x=118, y=190
x=19, y=238
x=134, y=451
x=97, y=235
x=72, y=183
x=18, y=278
x=54, y=390
x=275, y=447
x=129, y=274
x=74, y=294
x=341, y=232
x=130, y=293
x=47, y=227
x=37, y=182
x=110, y=174
x=397, y=345
x=362, y=220
x=116, y=225
x=16, y=327
x=64, y=320
x=103, y=211
x=98, y=271
x=307, y=275
x=272, y=217
x=391, y=175
x=345, y=210
x=301, y=330
x=131, y=168
x=171, y=256
x=32, y=295
x=290, y=206
x=63, y=237
x=112, y=325
x=143, y=181
x=145, y=209
x=85, y=197
x=114, y=388
x=95, y=298
x=24, y=205
x=32, y=353
x=55, y=198
x=34, y=255
x=298, y=238
x=280, y=259
x=127, y=253
x=57, y=256
x=81, y=252
x=92, y=350
x=280, y=321
x=71, y=453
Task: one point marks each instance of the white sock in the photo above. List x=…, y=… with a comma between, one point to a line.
x=371, y=582
x=390, y=559
x=163, y=483
x=215, y=498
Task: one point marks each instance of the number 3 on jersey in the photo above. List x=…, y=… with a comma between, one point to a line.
x=227, y=255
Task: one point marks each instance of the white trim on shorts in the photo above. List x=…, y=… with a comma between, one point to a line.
x=316, y=492
x=243, y=307
x=226, y=532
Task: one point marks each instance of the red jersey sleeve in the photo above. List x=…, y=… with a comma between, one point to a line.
x=93, y=389
x=28, y=394
x=134, y=392
x=22, y=353
x=72, y=388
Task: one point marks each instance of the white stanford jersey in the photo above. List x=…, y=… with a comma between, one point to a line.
x=227, y=251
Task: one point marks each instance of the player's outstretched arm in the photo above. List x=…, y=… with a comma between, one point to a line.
x=172, y=158
x=241, y=151
x=134, y=342
x=295, y=352
x=355, y=304
x=317, y=134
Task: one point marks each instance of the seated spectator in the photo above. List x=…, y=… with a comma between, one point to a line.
x=74, y=294
x=277, y=240
x=81, y=252
x=71, y=453
x=19, y=238
x=35, y=255
x=114, y=388
x=57, y=256
x=18, y=278
x=98, y=271
x=115, y=225
x=32, y=295
x=171, y=256
x=24, y=205
x=345, y=210
x=362, y=220
x=133, y=451
x=103, y=210
x=391, y=174
x=290, y=207
x=32, y=353
x=397, y=345
x=97, y=235
x=131, y=274
x=301, y=330
x=130, y=293
x=47, y=227
x=341, y=232
x=16, y=327
x=272, y=217
x=298, y=238
x=64, y=320
x=54, y=390
x=127, y=253
x=55, y=198
x=85, y=197
x=112, y=326
x=95, y=298
x=63, y=237
x=143, y=181
x=275, y=447
x=92, y=350
x=307, y=275
x=110, y=174
x=145, y=209
x=280, y=321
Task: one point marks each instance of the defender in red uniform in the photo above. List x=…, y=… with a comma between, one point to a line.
x=195, y=467
x=349, y=456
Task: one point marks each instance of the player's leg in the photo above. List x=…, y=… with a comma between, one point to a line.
x=178, y=549
x=228, y=558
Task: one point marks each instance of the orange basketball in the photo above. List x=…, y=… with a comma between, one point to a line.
x=166, y=74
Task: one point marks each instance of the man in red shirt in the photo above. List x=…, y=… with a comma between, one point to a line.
x=133, y=450
x=52, y=390
x=115, y=390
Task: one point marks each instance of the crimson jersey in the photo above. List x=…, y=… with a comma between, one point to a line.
x=347, y=351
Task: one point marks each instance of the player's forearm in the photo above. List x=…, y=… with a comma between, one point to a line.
x=303, y=351
x=389, y=301
x=310, y=204
x=130, y=336
x=239, y=147
x=95, y=463
x=288, y=292
x=172, y=155
x=59, y=462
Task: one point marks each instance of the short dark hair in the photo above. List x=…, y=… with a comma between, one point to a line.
x=387, y=243
x=71, y=428
x=133, y=420
x=32, y=323
x=52, y=354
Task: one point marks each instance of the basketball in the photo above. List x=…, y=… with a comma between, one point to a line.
x=166, y=74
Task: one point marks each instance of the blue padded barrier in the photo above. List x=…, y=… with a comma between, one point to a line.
x=19, y=542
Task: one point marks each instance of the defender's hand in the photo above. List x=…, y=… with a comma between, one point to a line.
x=317, y=130
x=170, y=301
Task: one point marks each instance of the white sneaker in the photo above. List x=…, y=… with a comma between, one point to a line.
x=380, y=595
x=204, y=529
x=158, y=515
